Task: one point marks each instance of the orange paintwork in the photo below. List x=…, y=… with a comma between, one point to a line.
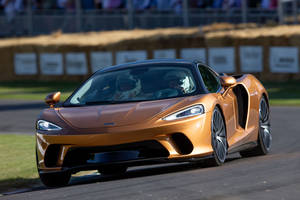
x=144, y=122
x=228, y=81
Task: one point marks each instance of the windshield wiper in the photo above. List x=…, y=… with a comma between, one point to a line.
x=100, y=102
x=97, y=103
x=72, y=105
x=108, y=102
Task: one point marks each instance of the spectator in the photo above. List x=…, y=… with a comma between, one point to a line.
x=163, y=5
x=269, y=4
x=144, y=4
x=235, y=3
x=66, y=4
x=218, y=4
x=227, y=4
x=62, y=4
x=112, y=4
x=273, y=4
x=195, y=3
x=205, y=3
x=98, y=4
x=176, y=5
x=254, y=3
x=265, y=4
x=37, y=4
x=49, y=4
x=87, y=4
x=11, y=7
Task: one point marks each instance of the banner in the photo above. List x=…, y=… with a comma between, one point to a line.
x=222, y=59
x=192, y=54
x=25, y=63
x=164, y=53
x=101, y=59
x=130, y=56
x=76, y=64
x=251, y=58
x=284, y=60
x=51, y=64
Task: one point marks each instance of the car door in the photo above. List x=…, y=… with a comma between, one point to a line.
x=213, y=85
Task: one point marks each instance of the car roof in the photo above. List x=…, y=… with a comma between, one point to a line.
x=167, y=62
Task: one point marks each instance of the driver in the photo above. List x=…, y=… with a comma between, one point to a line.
x=128, y=88
x=178, y=81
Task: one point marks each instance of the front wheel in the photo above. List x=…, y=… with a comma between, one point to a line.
x=56, y=179
x=264, y=133
x=218, y=139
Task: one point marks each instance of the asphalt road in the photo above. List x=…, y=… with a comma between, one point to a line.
x=275, y=176
x=19, y=116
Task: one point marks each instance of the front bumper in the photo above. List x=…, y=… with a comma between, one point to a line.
x=162, y=142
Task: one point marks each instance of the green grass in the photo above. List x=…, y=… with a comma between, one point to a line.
x=281, y=93
x=284, y=93
x=17, y=167
x=35, y=90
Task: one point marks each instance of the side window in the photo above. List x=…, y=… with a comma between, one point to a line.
x=211, y=81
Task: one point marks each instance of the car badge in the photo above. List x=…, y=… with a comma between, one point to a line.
x=109, y=124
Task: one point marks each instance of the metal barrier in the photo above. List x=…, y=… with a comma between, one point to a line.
x=47, y=21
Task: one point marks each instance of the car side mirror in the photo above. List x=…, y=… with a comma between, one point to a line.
x=52, y=99
x=228, y=81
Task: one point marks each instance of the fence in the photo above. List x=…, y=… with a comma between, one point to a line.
x=46, y=21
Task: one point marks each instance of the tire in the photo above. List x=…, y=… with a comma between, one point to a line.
x=113, y=170
x=264, y=140
x=57, y=179
x=218, y=139
x=54, y=179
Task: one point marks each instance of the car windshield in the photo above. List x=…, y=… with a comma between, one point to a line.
x=135, y=84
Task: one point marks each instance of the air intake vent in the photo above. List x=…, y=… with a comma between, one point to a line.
x=52, y=155
x=182, y=144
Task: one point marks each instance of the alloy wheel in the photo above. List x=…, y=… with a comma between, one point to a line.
x=219, y=141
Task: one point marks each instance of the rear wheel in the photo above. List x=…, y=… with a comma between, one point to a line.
x=112, y=170
x=264, y=134
x=218, y=139
x=56, y=179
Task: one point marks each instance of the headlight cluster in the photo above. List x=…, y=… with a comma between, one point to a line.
x=189, y=112
x=46, y=126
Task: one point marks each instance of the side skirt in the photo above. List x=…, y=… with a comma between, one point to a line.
x=242, y=147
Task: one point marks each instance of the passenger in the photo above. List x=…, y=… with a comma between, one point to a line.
x=127, y=88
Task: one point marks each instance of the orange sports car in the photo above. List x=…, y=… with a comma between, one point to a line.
x=148, y=112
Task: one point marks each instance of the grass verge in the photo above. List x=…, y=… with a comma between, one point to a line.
x=283, y=93
x=35, y=90
x=17, y=168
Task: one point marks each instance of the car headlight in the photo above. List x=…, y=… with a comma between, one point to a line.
x=46, y=126
x=189, y=112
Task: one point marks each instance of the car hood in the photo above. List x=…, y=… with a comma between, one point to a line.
x=116, y=114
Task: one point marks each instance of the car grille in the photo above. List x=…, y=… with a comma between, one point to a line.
x=85, y=155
